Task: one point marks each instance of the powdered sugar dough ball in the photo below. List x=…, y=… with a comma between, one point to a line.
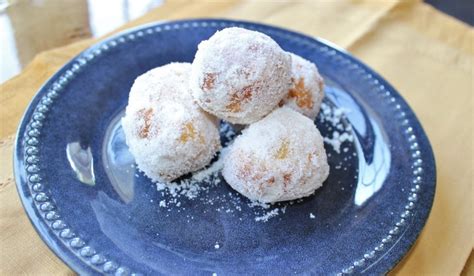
x=307, y=88
x=168, y=82
x=167, y=133
x=240, y=75
x=278, y=158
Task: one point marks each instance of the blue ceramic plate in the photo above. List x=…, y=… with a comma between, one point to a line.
x=94, y=209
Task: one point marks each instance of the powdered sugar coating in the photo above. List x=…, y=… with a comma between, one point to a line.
x=278, y=158
x=307, y=87
x=240, y=75
x=166, y=131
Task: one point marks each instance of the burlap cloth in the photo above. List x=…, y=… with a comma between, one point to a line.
x=425, y=54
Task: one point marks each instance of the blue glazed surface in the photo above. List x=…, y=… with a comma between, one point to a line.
x=366, y=216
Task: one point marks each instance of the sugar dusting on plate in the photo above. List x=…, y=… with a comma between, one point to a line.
x=341, y=132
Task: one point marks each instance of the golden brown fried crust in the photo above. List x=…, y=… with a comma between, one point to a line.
x=302, y=95
x=187, y=133
x=282, y=152
x=208, y=82
x=146, y=114
x=238, y=97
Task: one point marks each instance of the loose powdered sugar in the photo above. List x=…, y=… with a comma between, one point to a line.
x=268, y=215
x=341, y=132
x=190, y=188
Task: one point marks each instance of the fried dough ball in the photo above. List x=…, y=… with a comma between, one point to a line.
x=166, y=131
x=240, y=75
x=307, y=88
x=278, y=158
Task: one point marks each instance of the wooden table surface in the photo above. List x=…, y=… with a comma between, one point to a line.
x=426, y=55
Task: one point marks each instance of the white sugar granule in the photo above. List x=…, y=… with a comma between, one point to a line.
x=254, y=203
x=211, y=170
x=311, y=216
x=217, y=246
x=335, y=117
x=192, y=187
x=268, y=215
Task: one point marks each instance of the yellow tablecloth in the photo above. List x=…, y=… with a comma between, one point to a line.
x=426, y=55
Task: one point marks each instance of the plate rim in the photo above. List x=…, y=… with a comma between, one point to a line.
x=77, y=263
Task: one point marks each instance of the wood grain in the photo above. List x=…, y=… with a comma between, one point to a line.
x=426, y=55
